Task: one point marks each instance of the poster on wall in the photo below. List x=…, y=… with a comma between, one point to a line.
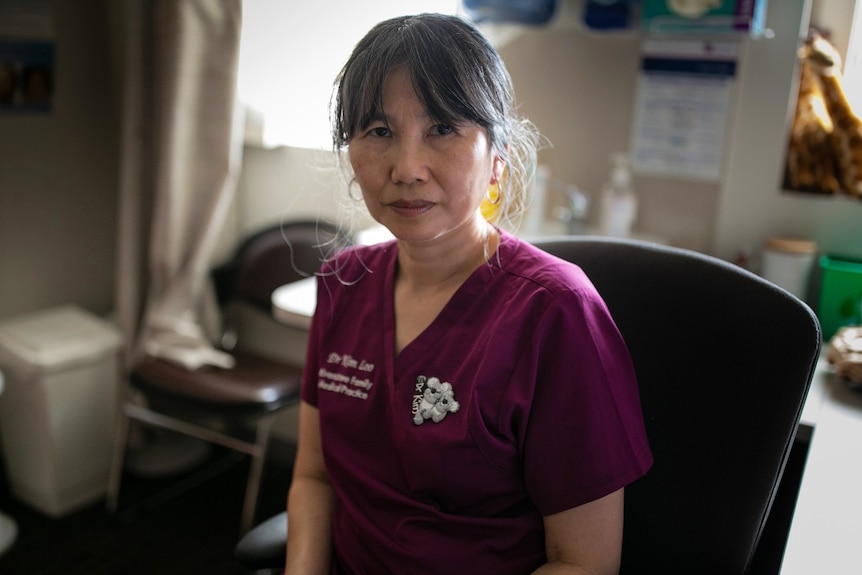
x=682, y=107
x=26, y=56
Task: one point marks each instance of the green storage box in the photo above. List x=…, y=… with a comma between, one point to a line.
x=840, y=294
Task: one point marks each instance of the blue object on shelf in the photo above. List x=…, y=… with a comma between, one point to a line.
x=608, y=14
x=533, y=12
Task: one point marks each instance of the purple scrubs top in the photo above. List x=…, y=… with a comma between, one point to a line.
x=518, y=401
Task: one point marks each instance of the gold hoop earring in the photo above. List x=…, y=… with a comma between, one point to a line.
x=494, y=196
x=490, y=203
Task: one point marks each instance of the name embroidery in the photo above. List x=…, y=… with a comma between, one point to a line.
x=433, y=400
x=356, y=386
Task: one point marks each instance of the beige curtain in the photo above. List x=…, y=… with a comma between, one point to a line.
x=181, y=151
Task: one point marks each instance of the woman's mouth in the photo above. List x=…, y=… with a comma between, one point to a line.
x=410, y=209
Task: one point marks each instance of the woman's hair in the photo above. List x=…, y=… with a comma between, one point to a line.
x=459, y=77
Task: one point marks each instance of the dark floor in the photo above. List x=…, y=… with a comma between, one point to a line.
x=193, y=532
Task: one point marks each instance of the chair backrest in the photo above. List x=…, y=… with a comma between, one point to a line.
x=724, y=361
x=274, y=256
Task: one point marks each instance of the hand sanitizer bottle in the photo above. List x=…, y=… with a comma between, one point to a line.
x=619, y=203
x=535, y=221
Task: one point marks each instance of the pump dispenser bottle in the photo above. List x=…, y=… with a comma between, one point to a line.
x=619, y=202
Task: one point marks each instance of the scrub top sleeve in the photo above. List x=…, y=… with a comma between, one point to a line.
x=585, y=437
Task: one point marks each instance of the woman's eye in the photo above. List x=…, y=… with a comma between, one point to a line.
x=379, y=131
x=443, y=129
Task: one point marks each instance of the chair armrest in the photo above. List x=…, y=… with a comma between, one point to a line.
x=263, y=547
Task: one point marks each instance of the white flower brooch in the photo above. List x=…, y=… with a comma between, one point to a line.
x=433, y=400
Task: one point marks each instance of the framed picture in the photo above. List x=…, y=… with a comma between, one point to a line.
x=26, y=75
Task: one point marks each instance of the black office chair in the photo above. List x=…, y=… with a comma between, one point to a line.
x=724, y=361
x=219, y=405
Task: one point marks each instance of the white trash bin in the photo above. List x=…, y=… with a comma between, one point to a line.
x=59, y=407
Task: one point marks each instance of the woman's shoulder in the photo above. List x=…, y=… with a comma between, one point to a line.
x=526, y=262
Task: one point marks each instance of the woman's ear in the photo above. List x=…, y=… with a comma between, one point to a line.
x=498, y=168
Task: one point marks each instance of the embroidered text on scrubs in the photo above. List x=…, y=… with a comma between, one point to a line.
x=348, y=360
x=335, y=381
x=351, y=386
x=342, y=389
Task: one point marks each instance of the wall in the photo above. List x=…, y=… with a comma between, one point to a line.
x=294, y=183
x=58, y=177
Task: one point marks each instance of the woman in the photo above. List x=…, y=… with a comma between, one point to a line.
x=468, y=403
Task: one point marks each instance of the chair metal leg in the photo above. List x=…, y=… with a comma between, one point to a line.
x=257, y=451
x=157, y=419
x=116, y=474
x=255, y=474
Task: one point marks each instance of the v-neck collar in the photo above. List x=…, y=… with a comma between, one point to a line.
x=465, y=296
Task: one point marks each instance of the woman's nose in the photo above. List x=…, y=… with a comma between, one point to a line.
x=409, y=162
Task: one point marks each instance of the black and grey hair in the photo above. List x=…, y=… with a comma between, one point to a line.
x=457, y=74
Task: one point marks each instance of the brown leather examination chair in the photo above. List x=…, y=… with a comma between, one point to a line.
x=235, y=407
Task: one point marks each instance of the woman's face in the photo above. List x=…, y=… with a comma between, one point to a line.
x=419, y=178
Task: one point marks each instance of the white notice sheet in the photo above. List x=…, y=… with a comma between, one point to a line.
x=681, y=111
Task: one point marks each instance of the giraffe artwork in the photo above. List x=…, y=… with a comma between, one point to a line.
x=810, y=157
x=825, y=148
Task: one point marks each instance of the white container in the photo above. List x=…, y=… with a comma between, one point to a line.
x=619, y=202
x=788, y=263
x=534, y=223
x=59, y=406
